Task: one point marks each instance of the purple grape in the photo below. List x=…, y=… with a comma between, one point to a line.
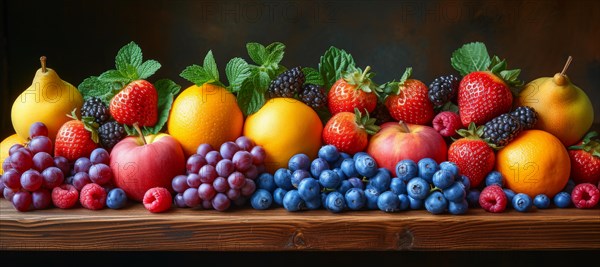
x=203, y=149
x=53, y=177
x=248, y=188
x=252, y=172
x=178, y=200
x=100, y=155
x=6, y=164
x=2, y=186
x=8, y=193
x=38, y=129
x=220, y=184
x=233, y=194
x=14, y=148
x=225, y=167
x=101, y=174
x=206, y=192
x=179, y=183
x=82, y=165
x=242, y=160
x=213, y=157
x=41, y=199
x=221, y=202
x=244, y=143
x=31, y=180
x=208, y=174
x=12, y=179
x=228, y=149
x=191, y=198
x=236, y=180
x=42, y=161
x=22, y=201
x=258, y=155
x=193, y=180
x=194, y=163
x=80, y=179
x=207, y=205
x=63, y=164
x=21, y=161
x=40, y=144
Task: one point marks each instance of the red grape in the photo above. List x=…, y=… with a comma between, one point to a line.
x=258, y=155
x=31, y=180
x=206, y=204
x=80, y=180
x=6, y=164
x=194, y=163
x=193, y=180
x=100, y=155
x=21, y=160
x=42, y=161
x=228, y=149
x=233, y=194
x=40, y=144
x=242, y=160
x=191, y=198
x=2, y=186
x=220, y=202
x=225, y=167
x=41, y=199
x=244, y=143
x=203, y=149
x=206, y=191
x=248, y=188
x=14, y=148
x=22, y=201
x=82, y=165
x=207, y=173
x=252, y=172
x=236, y=180
x=63, y=164
x=220, y=184
x=38, y=129
x=12, y=179
x=101, y=174
x=179, y=202
x=179, y=183
x=8, y=193
x=213, y=157
x=53, y=177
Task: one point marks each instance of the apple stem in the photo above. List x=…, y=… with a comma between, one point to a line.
x=137, y=129
x=564, y=70
x=404, y=126
x=43, y=61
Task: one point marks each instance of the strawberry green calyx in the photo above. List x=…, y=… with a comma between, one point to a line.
x=474, y=132
x=394, y=87
x=89, y=124
x=474, y=57
x=361, y=79
x=589, y=144
x=365, y=122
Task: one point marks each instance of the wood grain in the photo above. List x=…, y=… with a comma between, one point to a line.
x=246, y=229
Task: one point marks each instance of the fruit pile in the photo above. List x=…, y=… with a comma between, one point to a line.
x=303, y=138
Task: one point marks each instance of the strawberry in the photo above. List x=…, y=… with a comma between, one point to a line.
x=585, y=160
x=409, y=100
x=473, y=156
x=76, y=138
x=136, y=103
x=354, y=90
x=349, y=132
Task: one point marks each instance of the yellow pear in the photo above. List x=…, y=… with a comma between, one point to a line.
x=48, y=100
x=564, y=110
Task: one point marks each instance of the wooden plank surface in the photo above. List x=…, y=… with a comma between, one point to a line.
x=134, y=228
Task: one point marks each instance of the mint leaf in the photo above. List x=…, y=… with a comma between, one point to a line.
x=210, y=66
x=251, y=96
x=470, y=57
x=194, y=74
x=148, y=68
x=166, y=90
x=333, y=63
x=312, y=76
x=275, y=53
x=113, y=76
x=130, y=72
x=236, y=70
x=201, y=75
x=257, y=52
x=511, y=77
x=93, y=87
x=130, y=54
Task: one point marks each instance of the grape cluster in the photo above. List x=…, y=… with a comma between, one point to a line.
x=217, y=178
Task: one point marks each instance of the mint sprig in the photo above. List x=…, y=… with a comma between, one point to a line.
x=333, y=64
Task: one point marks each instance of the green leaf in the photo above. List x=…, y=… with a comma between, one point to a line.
x=257, y=52
x=148, y=68
x=113, y=76
x=93, y=87
x=312, y=76
x=275, y=53
x=406, y=75
x=512, y=77
x=237, y=71
x=130, y=54
x=210, y=66
x=166, y=90
x=470, y=57
x=130, y=72
x=251, y=97
x=333, y=63
x=201, y=75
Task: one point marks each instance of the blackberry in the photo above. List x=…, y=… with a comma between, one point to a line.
x=502, y=129
x=94, y=107
x=313, y=95
x=443, y=89
x=287, y=84
x=110, y=134
x=526, y=116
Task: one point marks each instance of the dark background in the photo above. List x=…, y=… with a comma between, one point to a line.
x=81, y=38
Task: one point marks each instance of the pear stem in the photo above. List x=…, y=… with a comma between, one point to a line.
x=43, y=61
x=137, y=129
x=404, y=126
x=564, y=70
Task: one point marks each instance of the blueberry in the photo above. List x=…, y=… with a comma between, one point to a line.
x=348, y=168
x=329, y=179
x=455, y=192
x=317, y=166
x=404, y=202
x=299, y=162
x=436, y=203
x=116, y=198
x=329, y=153
x=398, y=186
x=292, y=201
x=344, y=155
x=356, y=183
x=473, y=198
x=266, y=181
x=278, y=195
x=337, y=163
x=283, y=179
x=261, y=199
x=415, y=204
x=381, y=181
x=457, y=208
x=522, y=202
x=417, y=188
x=340, y=173
x=345, y=185
x=355, y=198
x=509, y=194
x=494, y=177
x=388, y=202
x=299, y=175
x=323, y=198
x=372, y=194
x=309, y=189
x=313, y=204
x=427, y=167
x=366, y=166
x=335, y=202
x=406, y=169
x=562, y=200
x=464, y=180
x=442, y=179
x=358, y=155
x=451, y=167
x=541, y=201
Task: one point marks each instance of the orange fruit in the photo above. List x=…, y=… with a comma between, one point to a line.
x=284, y=127
x=205, y=114
x=535, y=162
x=5, y=146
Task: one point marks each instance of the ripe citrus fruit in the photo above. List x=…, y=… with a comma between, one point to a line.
x=535, y=162
x=205, y=114
x=284, y=127
x=5, y=146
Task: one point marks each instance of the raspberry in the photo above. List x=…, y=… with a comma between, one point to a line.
x=65, y=196
x=493, y=199
x=585, y=196
x=157, y=199
x=93, y=197
x=446, y=123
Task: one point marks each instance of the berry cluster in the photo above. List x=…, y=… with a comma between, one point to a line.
x=291, y=84
x=216, y=178
x=109, y=131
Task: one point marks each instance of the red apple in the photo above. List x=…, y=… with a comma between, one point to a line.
x=141, y=163
x=397, y=141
